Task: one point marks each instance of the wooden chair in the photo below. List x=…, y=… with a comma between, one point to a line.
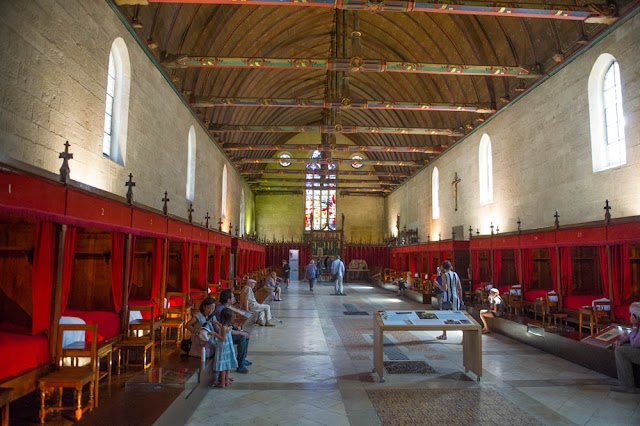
x=602, y=315
x=146, y=342
x=5, y=401
x=553, y=309
x=175, y=317
x=75, y=377
x=515, y=300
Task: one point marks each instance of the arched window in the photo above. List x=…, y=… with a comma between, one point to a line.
x=223, y=209
x=606, y=115
x=320, y=195
x=435, y=194
x=486, y=170
x=191, y=164
x=116, y=113
x=242, y=213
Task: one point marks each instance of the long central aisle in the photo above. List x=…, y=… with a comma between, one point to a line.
x=315, y=366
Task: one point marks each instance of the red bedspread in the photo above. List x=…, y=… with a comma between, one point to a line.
x=21, y=353
x=140, y=302
x=108, y=322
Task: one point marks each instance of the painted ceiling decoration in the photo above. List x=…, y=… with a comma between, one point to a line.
x=384, y=86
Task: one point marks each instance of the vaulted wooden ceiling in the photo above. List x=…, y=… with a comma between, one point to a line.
x=395, y=82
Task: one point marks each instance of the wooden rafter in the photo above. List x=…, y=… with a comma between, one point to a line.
x=398, y=163
x=336, y=148
x=246, y=172
x=329, y=129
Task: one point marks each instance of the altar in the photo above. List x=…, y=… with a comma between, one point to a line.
x=358, y=270
x=410, y=320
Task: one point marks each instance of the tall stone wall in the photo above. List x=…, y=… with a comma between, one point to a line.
x=54, y=72
x=541, y=149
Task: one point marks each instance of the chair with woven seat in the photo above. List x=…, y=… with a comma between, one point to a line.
x=553, y=311
x=602, y=314
x=144, y=342
x=175, y=316
x=74, y=376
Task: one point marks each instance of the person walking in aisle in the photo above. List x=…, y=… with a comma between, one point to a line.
x=311, y=274
x=337, y=270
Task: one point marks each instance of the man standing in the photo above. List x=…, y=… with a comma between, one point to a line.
x=240, y=337
x=337, y=270
x=627, y=351
x=311, y=274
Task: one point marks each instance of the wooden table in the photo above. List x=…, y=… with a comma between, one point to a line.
x=471, y=337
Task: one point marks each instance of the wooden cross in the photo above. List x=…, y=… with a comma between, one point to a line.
x=491, y=228
x=206, y=220
x=557, y=222
x=497, y=229
x=519, y=223
x=190, y=210
x=453, y=235
x=130, y=184
x=230, y=228
x=64, y=169
x=220, y=222
x=607, y=213
x=165, y=208
x=454, y=183
x=439, y=236
x=477, y=231
x=470, y=231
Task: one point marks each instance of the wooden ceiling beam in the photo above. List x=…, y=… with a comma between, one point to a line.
x=398, y=163
x=338, y=128
x=302, y=177
x=247, y=172
x=344, y=103
x=591, y=12
x=231, y=147
x=353, y=64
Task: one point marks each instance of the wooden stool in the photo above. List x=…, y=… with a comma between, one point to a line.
x=4, y=405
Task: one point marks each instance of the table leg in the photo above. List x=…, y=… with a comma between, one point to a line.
x=472, y=351
x=378, y=350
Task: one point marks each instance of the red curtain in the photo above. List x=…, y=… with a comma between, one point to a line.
x=412, y=263
x=475, y=266
x=216, y=265
x=604, y=269
x=497, y=267
x=132, y=255
x=566, y=271
x=156, y=268
x=527, y=267
x=202, y=266
x=117, y=269
x=67, y=266
x=621, y=274
x=227, y=263
x=554, y=269
x=186, y=264
x=42, y=276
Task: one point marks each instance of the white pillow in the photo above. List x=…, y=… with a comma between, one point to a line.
x=71, y=336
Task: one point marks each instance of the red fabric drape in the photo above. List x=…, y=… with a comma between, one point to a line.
x=186, y=264
x=566, y=271
x=412, y=263
x=475, y=266
x=604, y=268
x=117, y=269
x=216, y=265
x=554, y=269
x=67, y=267
x=42, y=276
x=156, y=267
x=132, y=253
x=227, y=263
x=527, y=267
x=620, y=274
x=202, y=266
x=497, y=267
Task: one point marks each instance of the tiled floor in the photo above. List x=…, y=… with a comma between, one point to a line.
x=302, y=373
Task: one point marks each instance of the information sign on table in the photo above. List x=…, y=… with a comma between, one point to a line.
x=608, y=336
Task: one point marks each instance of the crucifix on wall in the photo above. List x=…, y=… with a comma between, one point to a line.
x=454, y=183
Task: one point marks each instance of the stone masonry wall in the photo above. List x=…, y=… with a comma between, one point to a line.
x=54, y=72
x=541, y=147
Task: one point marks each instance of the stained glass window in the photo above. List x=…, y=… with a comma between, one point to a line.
x=320, y=195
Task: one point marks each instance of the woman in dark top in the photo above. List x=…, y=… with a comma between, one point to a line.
x=286, y=271
x=496, y=307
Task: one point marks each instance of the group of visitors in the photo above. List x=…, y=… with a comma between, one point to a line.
x=214, y=335
x=337, y=269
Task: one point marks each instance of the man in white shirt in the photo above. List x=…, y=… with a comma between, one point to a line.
x=337, y=270
x=249, y=303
